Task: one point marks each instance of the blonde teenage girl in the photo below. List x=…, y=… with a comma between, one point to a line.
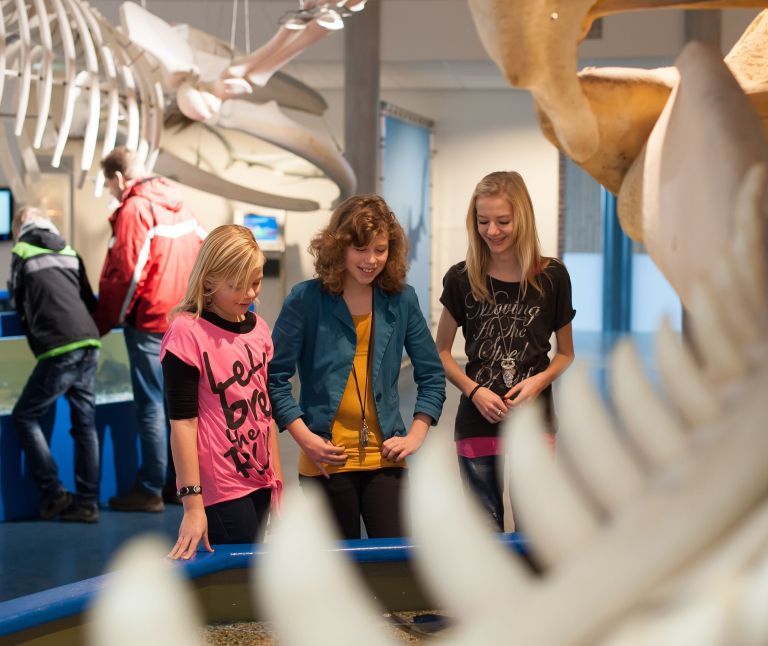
x=345, y=331
x=214, y=356
x=508, y=299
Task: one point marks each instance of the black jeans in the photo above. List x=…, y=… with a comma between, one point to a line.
x=376, y=496
x=73, y=375
x=481, y=477
x=242, y=520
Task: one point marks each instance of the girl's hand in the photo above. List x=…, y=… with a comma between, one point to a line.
x=491, y=406
x=525, y=391
x=400, y=447
x=193, y=529
x=322, y=451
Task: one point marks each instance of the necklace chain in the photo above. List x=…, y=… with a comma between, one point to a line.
x=363, y=399
x=507, y=363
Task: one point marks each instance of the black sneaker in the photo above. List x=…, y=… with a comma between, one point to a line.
x=79, y=513
x=137, y=500
x=54, y=506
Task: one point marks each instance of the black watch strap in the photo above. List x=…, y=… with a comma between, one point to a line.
x=191, y=490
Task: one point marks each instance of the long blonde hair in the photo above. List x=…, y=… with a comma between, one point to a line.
x=230, y=254
x=510, y=186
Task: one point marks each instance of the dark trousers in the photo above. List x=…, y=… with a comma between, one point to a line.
x=481, y=477
x=242, y=520
x=376, y=496
x=73, y=375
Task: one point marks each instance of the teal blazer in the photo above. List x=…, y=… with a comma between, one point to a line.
x=315, y=333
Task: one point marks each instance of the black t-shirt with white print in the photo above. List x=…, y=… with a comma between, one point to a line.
x=516, y=325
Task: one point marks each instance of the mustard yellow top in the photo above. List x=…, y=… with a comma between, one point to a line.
x=345, y=428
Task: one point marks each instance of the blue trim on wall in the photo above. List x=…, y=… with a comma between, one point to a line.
x=10, y=324
x=118, y=443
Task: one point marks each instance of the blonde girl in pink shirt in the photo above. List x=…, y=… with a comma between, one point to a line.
x=214, y=356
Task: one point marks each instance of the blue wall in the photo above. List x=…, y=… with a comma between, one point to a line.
x=406, y=186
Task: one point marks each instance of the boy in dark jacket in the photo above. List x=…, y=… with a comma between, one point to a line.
x=50, y=291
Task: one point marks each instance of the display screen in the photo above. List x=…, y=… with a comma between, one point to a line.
x=6, y=213
x=264, y=227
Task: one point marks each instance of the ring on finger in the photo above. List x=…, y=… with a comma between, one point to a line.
x=498, y=412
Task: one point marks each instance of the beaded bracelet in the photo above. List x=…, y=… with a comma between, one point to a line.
x=474, y=390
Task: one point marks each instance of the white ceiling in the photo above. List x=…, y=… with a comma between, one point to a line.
x=412, y=75
x=425, y=44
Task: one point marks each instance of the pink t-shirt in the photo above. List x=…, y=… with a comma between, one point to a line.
x=234, y=413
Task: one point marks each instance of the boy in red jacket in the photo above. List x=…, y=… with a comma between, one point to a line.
x=155, y=240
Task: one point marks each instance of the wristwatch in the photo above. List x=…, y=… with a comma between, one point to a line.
x=192, y=490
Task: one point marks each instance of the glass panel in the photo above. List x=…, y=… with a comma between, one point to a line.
x=52, y=192
x=113, y=379
x=584, y=247
x=652, y=296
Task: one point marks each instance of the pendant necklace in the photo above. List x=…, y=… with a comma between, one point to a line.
x=507, y=363
x=363, y=399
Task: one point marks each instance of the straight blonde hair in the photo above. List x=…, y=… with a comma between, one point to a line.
x=230, y=254
x=510, y=186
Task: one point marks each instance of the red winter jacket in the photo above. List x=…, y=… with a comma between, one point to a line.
x=155, y=240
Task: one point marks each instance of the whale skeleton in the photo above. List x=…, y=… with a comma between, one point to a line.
x=105, y=84
x=218, y=101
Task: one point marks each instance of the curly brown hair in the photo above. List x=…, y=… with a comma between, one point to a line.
x=357, y=221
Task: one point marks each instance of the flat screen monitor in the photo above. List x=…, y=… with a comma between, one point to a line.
x=266, y=230
x=264, y=227
x=6, y=213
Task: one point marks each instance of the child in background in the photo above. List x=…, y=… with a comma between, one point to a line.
x=346, y=331
x=49, y=289
x=509, y=300
x=214, y=357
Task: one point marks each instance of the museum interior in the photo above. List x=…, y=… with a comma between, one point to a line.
x=638, y=127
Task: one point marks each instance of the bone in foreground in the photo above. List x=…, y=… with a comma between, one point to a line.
x=145, y=600
x=686, y=228
x=627, y=102
x=535, y=44
x=301, y=568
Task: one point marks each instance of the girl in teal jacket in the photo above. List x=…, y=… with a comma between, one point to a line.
x=345, y=331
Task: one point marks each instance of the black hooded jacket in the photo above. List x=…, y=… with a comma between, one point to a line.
x=49, y=289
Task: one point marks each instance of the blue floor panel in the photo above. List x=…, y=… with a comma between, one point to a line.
x=36, y=555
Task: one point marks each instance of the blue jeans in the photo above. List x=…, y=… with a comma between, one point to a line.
x=73, y=375
x=152, y=425
x=481, y=477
